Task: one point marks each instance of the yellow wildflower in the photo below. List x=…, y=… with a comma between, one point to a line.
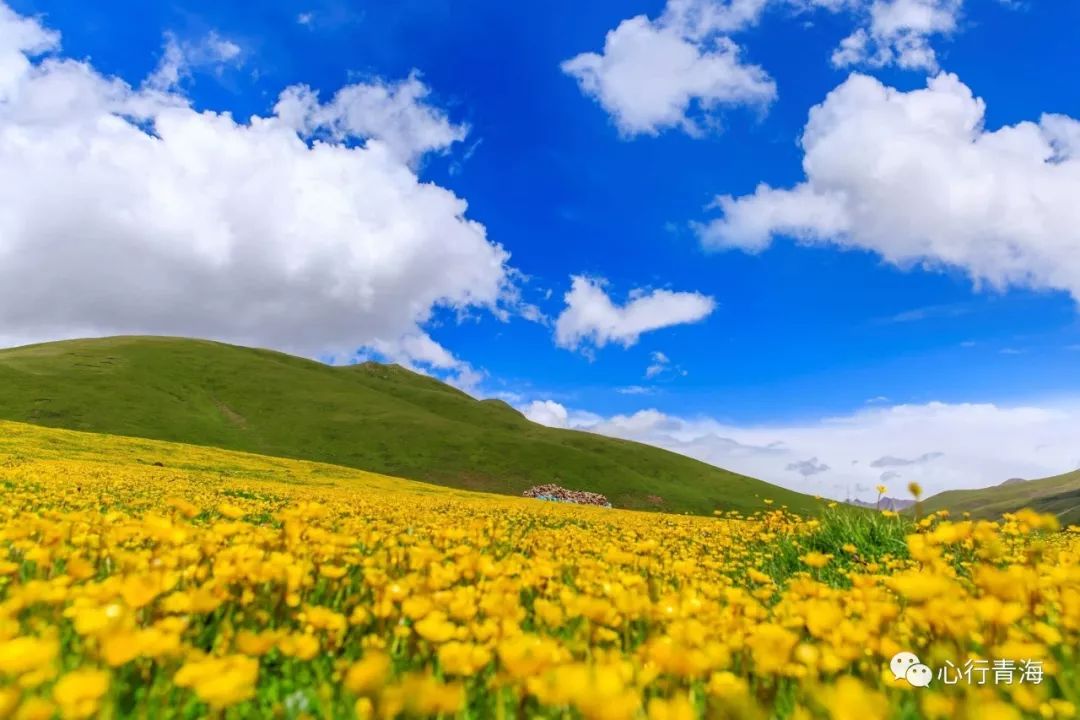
x=770, y=646
x=816, y=559
x=23, y=654
x=368, y=673
x=78, y=693
x=220, y=682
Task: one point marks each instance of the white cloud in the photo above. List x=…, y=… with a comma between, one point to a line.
x=698, y=19
x=22, y=35
x=676, y=71
x=181, y=58
x=682, y=68
x=125, y=210
x=554, y=414
x=416, y=348
x=635, y=390
x=591, y=318
x=917, y=178
x=898, y=32
x=941, y=446
x=222, y=50
x=394, y=113
x=546, y=412
x=660, y=363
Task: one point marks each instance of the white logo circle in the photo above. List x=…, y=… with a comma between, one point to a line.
x=919, y=675
x=900, y=663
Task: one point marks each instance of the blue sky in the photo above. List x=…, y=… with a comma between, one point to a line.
x=781, y=330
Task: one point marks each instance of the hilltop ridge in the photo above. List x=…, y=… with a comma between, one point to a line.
x=371, y=416
x=1058, y=495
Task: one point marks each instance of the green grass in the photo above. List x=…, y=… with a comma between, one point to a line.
x=875, y=537
x=1059, y=495
x=381, y=418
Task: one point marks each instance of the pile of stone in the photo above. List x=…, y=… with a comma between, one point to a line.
x=556, y=493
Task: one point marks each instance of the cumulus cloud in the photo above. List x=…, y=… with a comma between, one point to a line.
x=591, y=318
x=917, y=178
x=681, y=69
x=557, y=415
x=125, y=210
x=21, y=36
x=394, y=112
x=547, y=412
x=181, y=58
x=977, y=444
x=898, y=32
x=676, y=71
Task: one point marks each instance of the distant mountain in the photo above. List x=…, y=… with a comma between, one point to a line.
x=887, y=503
x=381, y=418
x=1059, y=495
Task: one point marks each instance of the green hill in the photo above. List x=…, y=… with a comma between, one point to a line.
x=1059, y=495
x=381, y=418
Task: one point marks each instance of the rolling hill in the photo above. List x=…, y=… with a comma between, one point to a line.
x=1059, y=495
x=375, y=417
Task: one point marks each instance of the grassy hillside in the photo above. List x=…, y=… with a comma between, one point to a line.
x=1059, y=495
x=39, y=457
x=376, y=417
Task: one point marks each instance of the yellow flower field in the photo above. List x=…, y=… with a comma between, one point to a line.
x=151, y=580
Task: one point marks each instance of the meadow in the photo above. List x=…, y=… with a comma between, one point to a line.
x=147, y=579
x=371, y=416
